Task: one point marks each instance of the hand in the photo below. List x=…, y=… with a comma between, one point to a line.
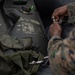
x=61, y=11
x=55, y=29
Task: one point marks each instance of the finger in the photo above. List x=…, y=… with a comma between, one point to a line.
x=55, y=16
x=55, y=24
x=66, y=14
x=51, y=27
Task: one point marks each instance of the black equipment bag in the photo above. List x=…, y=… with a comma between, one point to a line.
x=24, y=23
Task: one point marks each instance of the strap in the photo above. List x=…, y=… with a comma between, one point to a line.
x=36, y=66
x=13, y=14
x=8, y=20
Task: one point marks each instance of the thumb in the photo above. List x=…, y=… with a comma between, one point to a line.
x=55, y=23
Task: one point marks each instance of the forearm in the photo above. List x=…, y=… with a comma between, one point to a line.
x=55, y=40
x=62, y=54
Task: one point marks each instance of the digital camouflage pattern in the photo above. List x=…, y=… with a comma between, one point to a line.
x=62, y=52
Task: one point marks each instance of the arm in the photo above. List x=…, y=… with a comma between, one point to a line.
x=62, y=52
x=62, y=55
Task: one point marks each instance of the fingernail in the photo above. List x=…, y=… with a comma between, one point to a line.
x=53, y=18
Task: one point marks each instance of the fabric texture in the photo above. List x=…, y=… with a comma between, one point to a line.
x=62, y=52
x=16, y=56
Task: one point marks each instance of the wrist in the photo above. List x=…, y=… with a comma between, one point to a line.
x=57, y=34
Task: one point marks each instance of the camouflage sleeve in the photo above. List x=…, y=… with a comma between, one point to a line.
x=62, y=55
x=62, y=52
x=71, y=12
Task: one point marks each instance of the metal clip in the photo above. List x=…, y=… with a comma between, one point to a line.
x=38, y=62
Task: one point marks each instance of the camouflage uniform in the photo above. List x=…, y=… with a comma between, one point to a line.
x=62, y=52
